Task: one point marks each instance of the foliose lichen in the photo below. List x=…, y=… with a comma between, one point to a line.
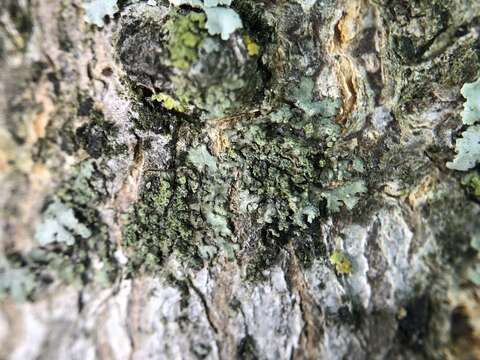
x=276, y=168
x=97, y=10
x=468, y=146
x=70, y=239
x=200, y=71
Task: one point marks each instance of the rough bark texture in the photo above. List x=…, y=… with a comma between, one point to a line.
x=282, y=195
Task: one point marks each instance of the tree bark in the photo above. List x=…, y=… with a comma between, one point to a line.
x=282, y=194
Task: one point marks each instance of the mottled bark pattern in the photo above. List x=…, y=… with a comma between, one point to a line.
x=283, y=194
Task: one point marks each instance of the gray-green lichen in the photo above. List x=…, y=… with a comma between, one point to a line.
x=60, y=225
x=70, y=237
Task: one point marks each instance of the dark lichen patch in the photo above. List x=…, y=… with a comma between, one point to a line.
x=275, y=163
x=99, y=137
x=277, y=172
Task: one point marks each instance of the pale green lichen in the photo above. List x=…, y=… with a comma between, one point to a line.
x=473, y=274
x=59, y=224
x=303, y=96
x=468, y=146
x=218, y=223
x=471, y=108
x=201, y=158
x=200, y=3
x=306, y=4
x=222, y=21
x=96, y=10
x=468, y=150
x=346, y=194
x=15, y=282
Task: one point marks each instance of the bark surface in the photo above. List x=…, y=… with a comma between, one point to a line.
x=282, y=194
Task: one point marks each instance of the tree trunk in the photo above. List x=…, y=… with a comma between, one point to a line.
x=175, y=183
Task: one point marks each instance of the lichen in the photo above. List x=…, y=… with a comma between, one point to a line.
x=253, y=49
x=196, y=70
x=342, y=263
x=70, y=237
x=346, y=194
x=468, y=146
x=185, y=33
x=15, y=281
x=244, y=157
x=59, y=224
x=97, y=10
x=472, y=181
x=468, y=150
x=201, y=158
x=222, y=21
x=169, y=102
x=471, y=108
x=283, y=170
x=303, y=96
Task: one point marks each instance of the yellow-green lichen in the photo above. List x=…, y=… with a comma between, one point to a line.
x=185, y=33
x=169, y=102
x=342, y=263
x=253, y=49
